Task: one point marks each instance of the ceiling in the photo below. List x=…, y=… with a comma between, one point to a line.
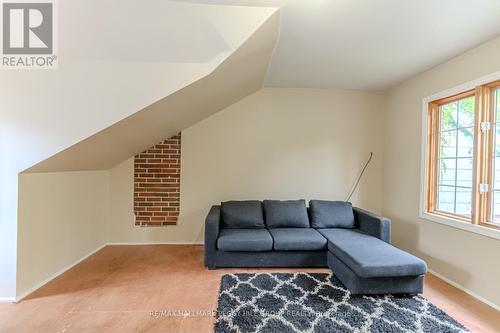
x=152, y=31
x=128, y=30
x=366, y=44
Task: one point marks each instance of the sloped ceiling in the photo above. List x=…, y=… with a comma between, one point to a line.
x=370, y=45
x=239, y=74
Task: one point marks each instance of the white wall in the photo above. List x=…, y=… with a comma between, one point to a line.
x=276, y=143
x=48, y=110
x=468, y=259
x=62, y=218
x=100, y=81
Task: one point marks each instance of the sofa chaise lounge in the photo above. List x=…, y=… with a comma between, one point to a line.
x=353, y=242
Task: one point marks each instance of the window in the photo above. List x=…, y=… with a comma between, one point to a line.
x=494, y=215
x=463, y=157
x=456, y=140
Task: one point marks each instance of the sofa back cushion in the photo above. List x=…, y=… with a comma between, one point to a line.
x=331, y=214
x=242, y=214
x=286, y=214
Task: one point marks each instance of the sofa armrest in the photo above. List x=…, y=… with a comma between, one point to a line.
x=372, y=224
x=212, y=226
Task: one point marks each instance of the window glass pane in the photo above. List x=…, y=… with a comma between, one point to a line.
x=449, y=114
x=463, y=201
x=495, y=195
x=466, y=112
x=448, y=144
x=459, y=202
x=447, y=172
x=465, y=141
x=456, y=146
x=496, y=206
x=496, y=175
x=497, y=92
x=464, y=172
x=446, y=199
x=497, y=141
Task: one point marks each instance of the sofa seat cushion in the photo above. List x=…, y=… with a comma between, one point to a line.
x=370, y=257
x=245, y=240
x=297, y=239
x=331, y=214
x=242, y=214
x=286, y=214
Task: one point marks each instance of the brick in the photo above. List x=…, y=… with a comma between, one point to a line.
x=154, y=151
x=161, y=213
x=151, y=224
x=157, y=183
x=169, y=199
x=144, y=213
x=145, y=155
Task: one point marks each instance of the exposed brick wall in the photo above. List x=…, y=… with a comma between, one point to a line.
x=157, y=174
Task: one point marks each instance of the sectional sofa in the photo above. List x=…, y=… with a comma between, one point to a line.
x=353, y=242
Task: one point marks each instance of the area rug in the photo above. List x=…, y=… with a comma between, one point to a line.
x=318, y=302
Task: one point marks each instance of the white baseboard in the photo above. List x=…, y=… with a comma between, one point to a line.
x=41, y=284
x=7, y=299
x=155, y=243
x=459, y=286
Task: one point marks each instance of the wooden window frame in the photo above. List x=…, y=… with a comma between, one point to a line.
x=489, y=103
x=432, y=170
x=483, y=159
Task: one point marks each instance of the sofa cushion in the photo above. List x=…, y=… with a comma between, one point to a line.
x=247, y=240
x=286, y=214
x=242, y=214
x=331, y=214
x=297, y=239
x=370, y=257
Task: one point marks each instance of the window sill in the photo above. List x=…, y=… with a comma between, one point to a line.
x=477, y=229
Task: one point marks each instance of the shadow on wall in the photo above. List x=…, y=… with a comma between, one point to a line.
x=407, y=235
x=189, y=229
x=359, y=197
x=199, y=228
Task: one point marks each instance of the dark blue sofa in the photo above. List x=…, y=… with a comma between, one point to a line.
x=353, y=242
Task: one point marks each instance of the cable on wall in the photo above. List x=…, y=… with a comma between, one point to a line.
x=353, y=189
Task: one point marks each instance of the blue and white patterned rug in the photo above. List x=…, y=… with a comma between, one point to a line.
x=318, y=302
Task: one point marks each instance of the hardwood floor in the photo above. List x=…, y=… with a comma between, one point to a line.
x=116, y=289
